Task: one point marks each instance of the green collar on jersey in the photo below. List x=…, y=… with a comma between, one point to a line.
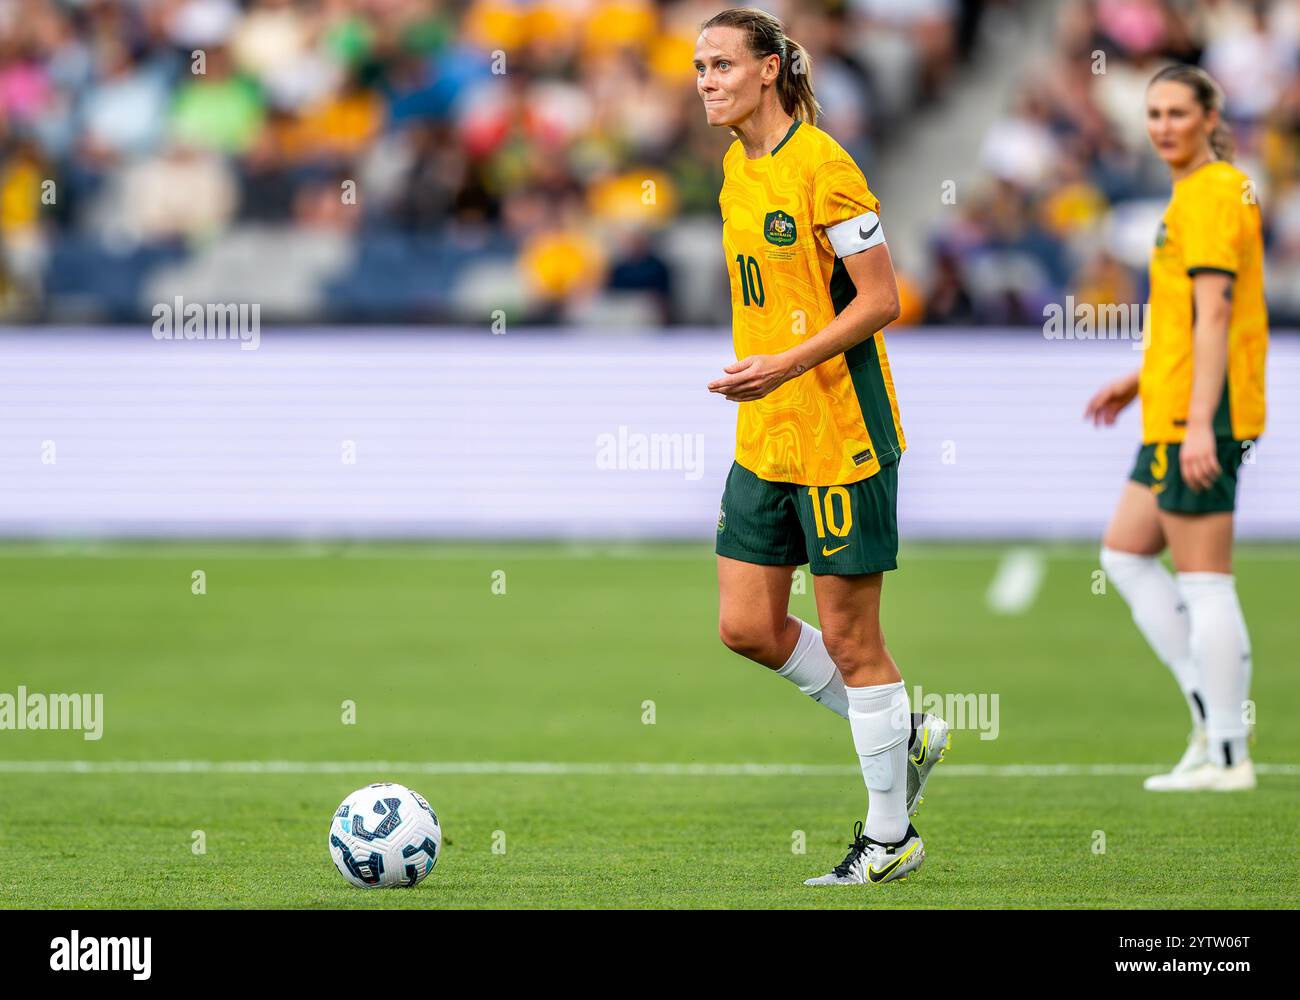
x=793, y=125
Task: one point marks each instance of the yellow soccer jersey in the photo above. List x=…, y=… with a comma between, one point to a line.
x=1212, y=224
x=787, y=220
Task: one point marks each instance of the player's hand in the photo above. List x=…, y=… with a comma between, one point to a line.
x=752, y=377
x=1107, y=404
x=1198, y=458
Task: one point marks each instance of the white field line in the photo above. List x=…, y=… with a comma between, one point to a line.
x=1016, y=584
x=614, y=769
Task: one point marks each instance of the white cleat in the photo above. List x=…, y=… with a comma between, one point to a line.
x=1206, y=778
x=870, y=861
x=933, y=740
x=1196, y=755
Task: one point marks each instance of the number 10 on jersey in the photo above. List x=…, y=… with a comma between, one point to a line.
x=751, y=280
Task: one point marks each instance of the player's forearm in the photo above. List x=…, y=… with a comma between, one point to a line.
x=1209, y=360
x=860, y=319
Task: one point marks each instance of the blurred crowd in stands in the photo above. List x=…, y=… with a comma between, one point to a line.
x=1071, y=193
x=426, y=161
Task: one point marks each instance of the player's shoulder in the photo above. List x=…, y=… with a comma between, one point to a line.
x=825, y=161
x=810, y=148
x=814, y=143
x=808, y=151
x=1214, y=182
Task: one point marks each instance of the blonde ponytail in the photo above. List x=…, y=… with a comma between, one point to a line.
x=1221, y=142
x=794, y=85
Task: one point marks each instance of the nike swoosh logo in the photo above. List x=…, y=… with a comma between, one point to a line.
x=872, y=875
x=880, y=876
x=867, y=236
x=920, y=759
x=833, y=551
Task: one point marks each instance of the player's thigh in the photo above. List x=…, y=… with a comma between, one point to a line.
x=1199, y=543
x=1135, y=526
x=848, y=608
x=753, y=604
x=1198, y=523
x=851, y=533
x=759, y=544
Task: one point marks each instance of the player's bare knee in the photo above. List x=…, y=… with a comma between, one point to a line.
x=749, y=640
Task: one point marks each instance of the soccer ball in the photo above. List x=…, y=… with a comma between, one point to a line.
x=384, y=835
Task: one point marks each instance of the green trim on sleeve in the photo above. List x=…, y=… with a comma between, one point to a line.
x=842, y=288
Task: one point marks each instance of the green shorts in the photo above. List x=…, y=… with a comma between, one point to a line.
x=1158, y=467
x=837, y=530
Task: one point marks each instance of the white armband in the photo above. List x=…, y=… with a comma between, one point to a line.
x=856, y=235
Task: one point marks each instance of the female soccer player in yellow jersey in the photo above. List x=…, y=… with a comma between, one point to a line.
x=1202, y=390
x=818, y=437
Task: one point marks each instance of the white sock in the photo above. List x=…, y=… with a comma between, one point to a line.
x=811, y=669
x=1160, y=614
x=1221, y=648
x=881, y=720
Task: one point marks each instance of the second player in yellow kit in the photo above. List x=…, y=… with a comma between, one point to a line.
x=1202, y=391
x=1212, y=225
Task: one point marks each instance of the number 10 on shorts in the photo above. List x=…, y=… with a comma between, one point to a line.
x=824, y=510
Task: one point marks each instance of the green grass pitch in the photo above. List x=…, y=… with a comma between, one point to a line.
x=561, y=668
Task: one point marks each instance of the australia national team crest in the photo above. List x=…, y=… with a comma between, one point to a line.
x=1162, y=234
x=778, y=228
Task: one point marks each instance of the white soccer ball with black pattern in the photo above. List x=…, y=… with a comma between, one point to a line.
x=384, y=836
